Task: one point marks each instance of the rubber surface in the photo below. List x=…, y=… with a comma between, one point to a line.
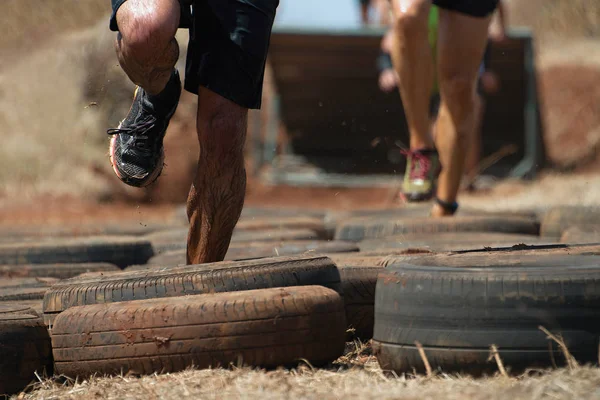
x=177, y=239
x=254, y=250
x=94, y=288
x=115, y=250
x=372, y=228
x=24, y=349
x=459, y=306
x=358, y=288
x=13, y=289
x=315, y=224
x=263, y=328
x=579, y=234
x=61, y=271
x=450, y=241
x=417, y=210
x=558, y=219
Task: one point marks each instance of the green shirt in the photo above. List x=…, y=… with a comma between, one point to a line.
x=433, y=36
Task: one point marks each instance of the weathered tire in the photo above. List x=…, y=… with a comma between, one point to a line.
x=457, y=308
x=420, y=210
x=192, y=279
x=579, y=234
x=115, y=250
x=315, y=224
x=358, y=287
x=61, y=271
x=449, y=241
x=558, y=219
x=14, y=289
x=262, y=328
x=24, y=349
x=254, y=250
x=372, y=228
x=180, y=214
x=177, y=239
x=41, y=232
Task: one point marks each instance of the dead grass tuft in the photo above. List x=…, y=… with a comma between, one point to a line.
x=366, y=382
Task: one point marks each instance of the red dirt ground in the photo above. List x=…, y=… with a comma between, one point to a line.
x=57, y=211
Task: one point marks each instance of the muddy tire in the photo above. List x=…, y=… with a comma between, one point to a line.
x=457, y=308
x=256, y=224
x=559, y=219
x=60, y=271
x=192, y=279
x=255, y=250
x=177, y=239
x=358, y=287
x=259, y=328
x=373, y=228
x=578, y=234
x=25, y=348
x=449, y=241
x=15, y=289
x=119, y=251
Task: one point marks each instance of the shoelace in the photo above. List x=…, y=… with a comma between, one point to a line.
x=138, y=130
x=420, y=160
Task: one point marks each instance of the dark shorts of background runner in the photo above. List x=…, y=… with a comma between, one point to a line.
x=228, y=46
x=474, y=8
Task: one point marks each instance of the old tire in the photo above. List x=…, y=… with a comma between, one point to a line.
x=448, y=241
x=372, y=228
x=192, y=279
x=24, y=349
x=15, y=289
x=255, y=250
x=579, y=234
x=358, y=288
x=262, y=328
x=60, y=271
x=558, y=219
x=115, y=250
x=457, y=309
x=177, y=239
x=256, y=224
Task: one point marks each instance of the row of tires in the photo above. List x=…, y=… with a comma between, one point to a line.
x=381, y=278
x=445, y=310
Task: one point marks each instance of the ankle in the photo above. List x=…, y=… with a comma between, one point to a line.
x=168, y=96
x=443, y=209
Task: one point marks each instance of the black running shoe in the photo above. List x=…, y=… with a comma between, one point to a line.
x=136, y=146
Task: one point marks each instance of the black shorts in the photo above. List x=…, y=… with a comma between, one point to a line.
x=474, y=8
x=227, y=51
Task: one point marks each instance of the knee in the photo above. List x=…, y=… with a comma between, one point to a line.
x=148, y=28
x=458, y=92
x=412, y=19
x=222, y=133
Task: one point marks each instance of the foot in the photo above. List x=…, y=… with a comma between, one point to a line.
x=443, y=209
x=136, y=146
x=422, y=169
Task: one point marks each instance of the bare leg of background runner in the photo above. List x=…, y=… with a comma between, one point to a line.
x=146, y=45
x=217, y=195
x=413, y=62
x=461, y=44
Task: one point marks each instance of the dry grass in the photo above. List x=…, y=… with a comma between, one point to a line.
x=354, y=376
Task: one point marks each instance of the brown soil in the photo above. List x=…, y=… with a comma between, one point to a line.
x=571, y=108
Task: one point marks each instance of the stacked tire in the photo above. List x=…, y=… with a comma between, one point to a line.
x=443, y=294
x=265, y=313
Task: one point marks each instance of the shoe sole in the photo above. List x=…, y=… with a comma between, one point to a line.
x=139, y=183
x=150, y=179
x=417, y=197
